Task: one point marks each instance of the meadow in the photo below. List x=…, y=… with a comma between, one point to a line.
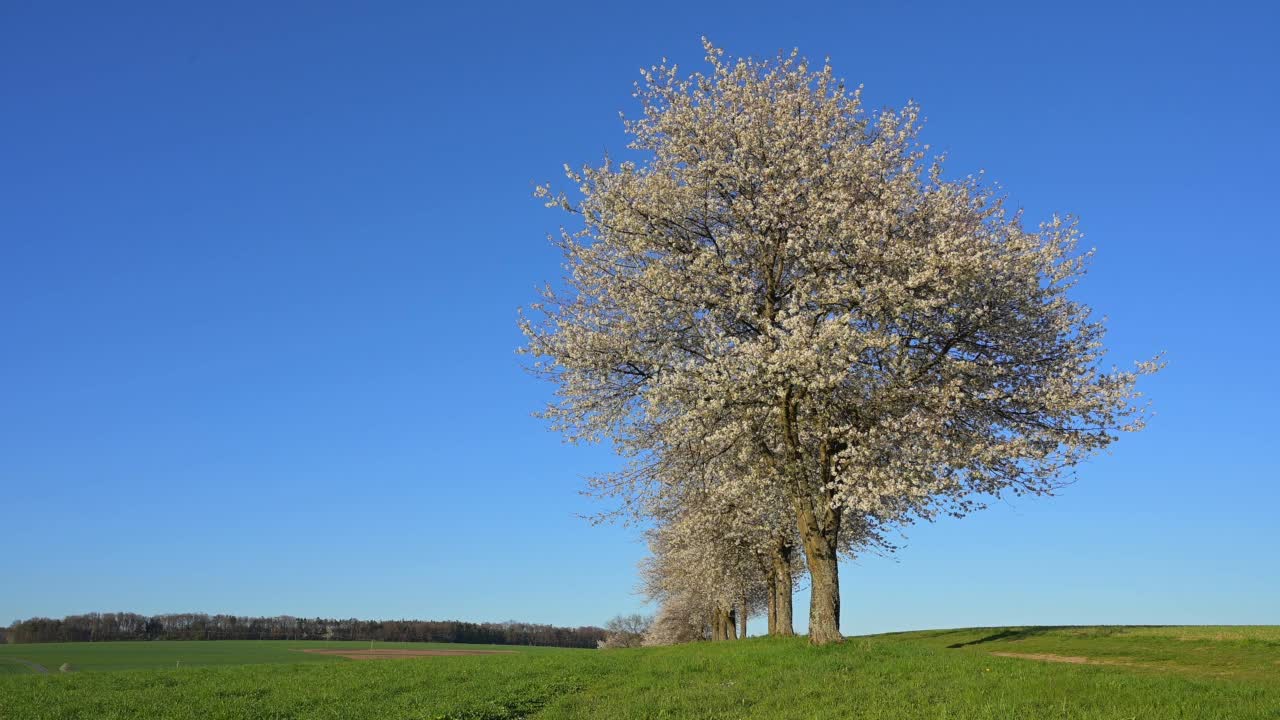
x=1086, y=673
x=178, y=654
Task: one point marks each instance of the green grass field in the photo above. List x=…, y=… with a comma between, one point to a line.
x=1111, y=673
x=165, y=654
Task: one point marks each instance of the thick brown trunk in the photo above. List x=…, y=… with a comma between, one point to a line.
x=771, y=603
x=819, y=526
x=819, y=535
x=782, y=586
x=722, y=624
x=742, y=619
x=731, y=625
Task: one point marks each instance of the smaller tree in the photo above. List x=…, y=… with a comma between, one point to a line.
x=625, y=631
x=695, y=553
x=683, y=618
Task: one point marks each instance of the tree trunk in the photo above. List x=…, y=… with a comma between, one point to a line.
x=819, y=526
x=819, y=532
x=722, y=624
x=742, y=620
x=780, y=599
x=771, y=601
x=731, y=625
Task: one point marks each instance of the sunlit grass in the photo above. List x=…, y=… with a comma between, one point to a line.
x=1156, y=673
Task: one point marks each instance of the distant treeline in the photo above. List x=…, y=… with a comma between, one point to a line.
x=101, y=627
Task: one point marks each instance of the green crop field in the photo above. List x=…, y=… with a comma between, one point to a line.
x=165, y=654
x=1111, y=673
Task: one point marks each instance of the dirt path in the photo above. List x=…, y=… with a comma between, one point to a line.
x=1050, y=657
x=34, y=666
x=1213, y=671
x=390, y=653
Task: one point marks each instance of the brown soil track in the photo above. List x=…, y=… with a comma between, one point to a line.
x=1050, y=657
x=35, y=666
x=1223, y=672
x=391, y=654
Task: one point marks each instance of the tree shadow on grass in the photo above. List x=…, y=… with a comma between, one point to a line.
x=1010, y=634
x=1022, y=633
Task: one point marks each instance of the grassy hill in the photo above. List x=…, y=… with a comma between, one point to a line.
x=1110, y=673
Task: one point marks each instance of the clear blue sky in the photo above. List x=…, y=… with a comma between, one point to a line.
x=260, y=265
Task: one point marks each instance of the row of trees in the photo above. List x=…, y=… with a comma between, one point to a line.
x=99, y=627
x=803, y=337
